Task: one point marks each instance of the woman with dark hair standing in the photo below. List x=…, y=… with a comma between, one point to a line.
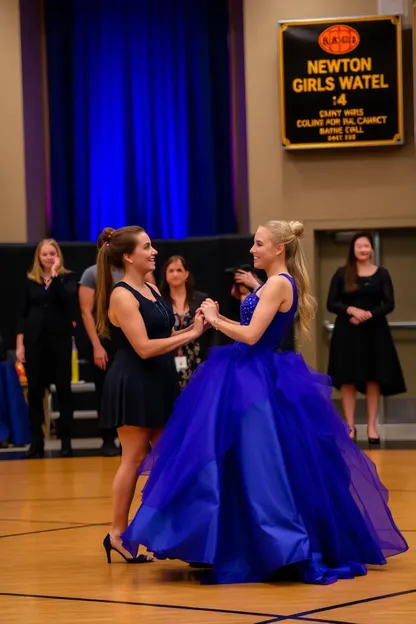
x=362, y=355
x=44, y=341
x=178, y=290
x=141, y=384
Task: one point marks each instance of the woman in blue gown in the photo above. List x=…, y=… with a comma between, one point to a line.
x=255, y=473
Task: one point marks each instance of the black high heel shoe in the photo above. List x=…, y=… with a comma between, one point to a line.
x=374, y=441
x=35, y=451
x=66, y=449
x=109, y=547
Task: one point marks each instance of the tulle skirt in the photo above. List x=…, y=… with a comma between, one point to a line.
x=255, y=474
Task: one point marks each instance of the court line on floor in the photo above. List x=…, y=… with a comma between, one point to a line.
x=41, y=521
x=290, y=618
x=304, y=614
x=67, y=528
x=20, y=456
x=300, y=619
x=141, y=604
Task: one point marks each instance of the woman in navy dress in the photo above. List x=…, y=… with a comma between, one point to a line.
x=141, y=384
x=255, y=473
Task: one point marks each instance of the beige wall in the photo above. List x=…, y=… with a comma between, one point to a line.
x=12, y=170
x=337, y=188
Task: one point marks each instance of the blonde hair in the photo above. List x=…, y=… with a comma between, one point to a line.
x=36, y=272
x=288, y=234
x=114, y=245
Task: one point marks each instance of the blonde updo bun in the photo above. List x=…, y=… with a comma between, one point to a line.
x=297, y=228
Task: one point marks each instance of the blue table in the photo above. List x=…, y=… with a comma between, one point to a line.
x=14, y=414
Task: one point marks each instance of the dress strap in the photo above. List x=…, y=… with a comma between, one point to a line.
x=132, y=290
x=153, y=291
x=126, y=286
x=136, y=293
x=295, y=290
x=289, y=277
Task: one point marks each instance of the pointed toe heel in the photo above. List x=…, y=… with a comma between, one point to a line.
x=108, y=547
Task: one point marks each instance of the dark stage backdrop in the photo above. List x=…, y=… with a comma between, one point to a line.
x=208, y=259
x=139, y=103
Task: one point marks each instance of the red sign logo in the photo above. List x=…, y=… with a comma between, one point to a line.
x=339, y=39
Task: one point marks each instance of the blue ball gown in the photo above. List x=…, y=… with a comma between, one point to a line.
x=255, y=473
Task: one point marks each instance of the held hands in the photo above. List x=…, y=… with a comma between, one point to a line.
x=355, y=321
x=199, y=324
x=358, y=316
x=210, y=310
x=201, y=310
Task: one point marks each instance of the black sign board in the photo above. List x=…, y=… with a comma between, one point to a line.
x=341, y=82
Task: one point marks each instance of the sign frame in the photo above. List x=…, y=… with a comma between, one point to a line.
x=398, y=139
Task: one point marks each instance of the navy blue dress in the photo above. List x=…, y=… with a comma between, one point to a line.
x=140, y=392
x=255, y=473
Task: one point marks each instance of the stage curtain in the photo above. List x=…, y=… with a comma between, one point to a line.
x=139, y=117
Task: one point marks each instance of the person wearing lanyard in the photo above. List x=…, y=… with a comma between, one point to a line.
x=177, y=288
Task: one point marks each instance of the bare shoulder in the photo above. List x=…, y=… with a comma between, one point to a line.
x=277, y=284
x=281, y=280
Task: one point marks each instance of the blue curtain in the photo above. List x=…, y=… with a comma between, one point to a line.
x=139, y=117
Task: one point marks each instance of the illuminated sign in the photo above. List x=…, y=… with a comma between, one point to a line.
x=341, y=82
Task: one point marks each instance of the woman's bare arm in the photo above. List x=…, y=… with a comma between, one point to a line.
x=125, y=313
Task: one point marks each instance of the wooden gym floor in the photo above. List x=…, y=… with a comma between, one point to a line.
x=54, y=514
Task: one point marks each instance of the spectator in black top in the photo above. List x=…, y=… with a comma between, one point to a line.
x=362, y=355
x=44, y=340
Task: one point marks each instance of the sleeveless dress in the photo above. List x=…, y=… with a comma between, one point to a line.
x=140, y=392
x=256, y=474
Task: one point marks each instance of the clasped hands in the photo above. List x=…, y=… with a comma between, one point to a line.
x=358, y=316
x=206, y=315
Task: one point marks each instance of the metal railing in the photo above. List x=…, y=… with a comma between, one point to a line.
x=329, y=327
